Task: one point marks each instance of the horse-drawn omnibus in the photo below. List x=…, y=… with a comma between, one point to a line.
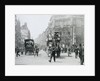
x=54, y=39
x=29, y=46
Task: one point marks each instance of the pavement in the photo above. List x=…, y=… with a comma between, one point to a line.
x=42, y=59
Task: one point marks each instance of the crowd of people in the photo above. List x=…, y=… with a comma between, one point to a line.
x=78, y=50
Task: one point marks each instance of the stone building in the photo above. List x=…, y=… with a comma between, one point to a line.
x=25, y=33
x=17, y=32
x=70, y=26
x=21, y=33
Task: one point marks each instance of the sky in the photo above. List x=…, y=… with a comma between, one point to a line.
x=36, y=23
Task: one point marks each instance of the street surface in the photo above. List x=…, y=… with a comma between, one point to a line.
x=42, y=59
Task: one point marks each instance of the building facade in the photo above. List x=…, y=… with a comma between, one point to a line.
x=25, y=33
x=70, y=26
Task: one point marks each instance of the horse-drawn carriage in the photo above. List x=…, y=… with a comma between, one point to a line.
x=29, y=46
x=54, y=39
